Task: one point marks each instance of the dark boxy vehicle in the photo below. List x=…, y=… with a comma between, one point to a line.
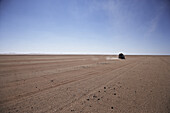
x=121, y=56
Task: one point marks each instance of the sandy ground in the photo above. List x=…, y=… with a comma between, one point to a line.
x=84, y=84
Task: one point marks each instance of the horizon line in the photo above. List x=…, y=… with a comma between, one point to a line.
x=12, y=53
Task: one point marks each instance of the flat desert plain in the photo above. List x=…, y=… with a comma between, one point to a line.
x=84, y=84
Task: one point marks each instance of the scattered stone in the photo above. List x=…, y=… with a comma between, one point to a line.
x=31, y=107
x=94, y=96
x=90, y=106
x=72, y=110
x=135, y=91
x=52, y=80
x=98, y=98
x=104, y=87
x=35, y=87
x=104, y=91
x=114, y=93
x=111, y=107
x=88, y=99
x=99, y=91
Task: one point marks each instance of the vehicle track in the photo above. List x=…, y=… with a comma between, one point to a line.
x=84, y=77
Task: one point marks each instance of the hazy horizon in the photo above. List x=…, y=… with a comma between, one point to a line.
x=85, y=27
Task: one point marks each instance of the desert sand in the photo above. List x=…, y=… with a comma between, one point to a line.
x=84, y=84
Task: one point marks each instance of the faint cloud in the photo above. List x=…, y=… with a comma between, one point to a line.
x=156, y=19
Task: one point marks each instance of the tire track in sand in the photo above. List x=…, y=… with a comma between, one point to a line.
x=85, y=77
x=132, y=65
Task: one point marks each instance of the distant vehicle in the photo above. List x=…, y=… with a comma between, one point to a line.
x=121, y=56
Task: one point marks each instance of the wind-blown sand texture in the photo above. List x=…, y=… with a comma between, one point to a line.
x=84, y=84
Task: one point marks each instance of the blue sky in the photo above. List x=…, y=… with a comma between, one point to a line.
x=85, y=26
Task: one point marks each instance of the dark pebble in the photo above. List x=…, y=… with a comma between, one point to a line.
x=72, y=110
x=95, y=96
x=87, y=99
x=98, y=98
x=111, y=107
x=104, y=87
x=51, y=80
x=114, y=93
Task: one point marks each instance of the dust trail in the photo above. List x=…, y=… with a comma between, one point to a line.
x=112, y=58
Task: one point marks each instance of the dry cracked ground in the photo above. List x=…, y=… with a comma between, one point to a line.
x=84, y=84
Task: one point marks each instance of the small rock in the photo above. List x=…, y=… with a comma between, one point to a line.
x=52, y=80
x=114, y=93
x=94, y=96
x=72, y=110
x=98, y=98
x=111, y=107
x=104, y=87
x=87, y=99
x=60, y=108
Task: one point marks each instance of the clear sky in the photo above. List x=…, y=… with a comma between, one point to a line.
x=85, y=26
